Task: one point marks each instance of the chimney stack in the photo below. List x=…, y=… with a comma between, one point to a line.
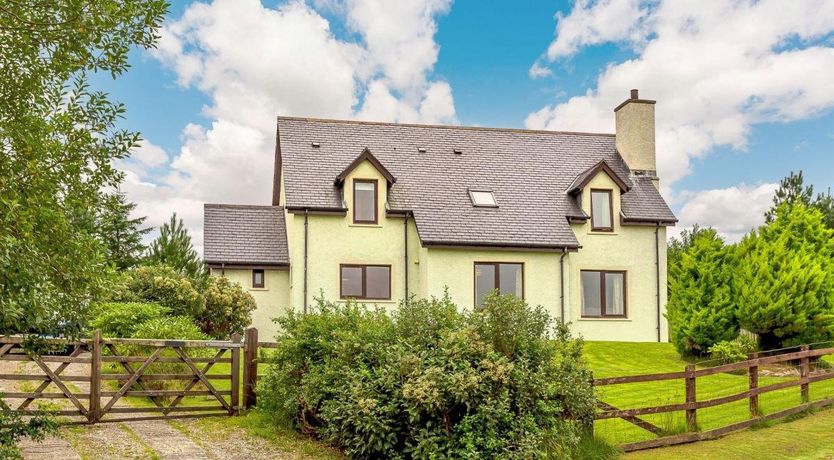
x=635, y=134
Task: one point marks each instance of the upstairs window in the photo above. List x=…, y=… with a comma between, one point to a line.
x=258, y=278
x=602, y=213
x=603, y=294
x=372, y=282
x=507, y=278
x=365, y=201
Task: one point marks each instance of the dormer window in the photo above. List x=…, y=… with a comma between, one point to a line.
x=602, y=211
x=365, y=201
x=483, y=199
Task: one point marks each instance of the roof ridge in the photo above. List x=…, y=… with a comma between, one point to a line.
x=418, y=125
x=241, y=206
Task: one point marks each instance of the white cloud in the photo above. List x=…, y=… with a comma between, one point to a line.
x=538, y=70
x=149, y=154
x=256, y=62
x=715, y=68
x=732, y=211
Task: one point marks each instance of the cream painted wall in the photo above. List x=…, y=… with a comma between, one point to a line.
x=630, y=248
x=335, y=240
x=273, y=299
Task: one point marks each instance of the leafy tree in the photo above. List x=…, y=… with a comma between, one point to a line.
x=173, y=248
x=785, y=279
x=121, y=235
x=58, y=141
x=701, y=308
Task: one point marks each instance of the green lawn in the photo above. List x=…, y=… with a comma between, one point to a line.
x=609, y=359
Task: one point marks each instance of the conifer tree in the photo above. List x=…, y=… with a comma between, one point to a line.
x=173, y=248
x=785, y=279
x=701, y=308
x=121, y=235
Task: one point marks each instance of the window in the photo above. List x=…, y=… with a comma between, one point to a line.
x=257, y=278
x=508, y=278
x=602, y=214
x=365, y=282
x=483, y=198
x=364, y=201
x=603, y=294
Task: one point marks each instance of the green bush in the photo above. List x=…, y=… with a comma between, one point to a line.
x=162, y=285
x=228, y=308
x=174, y=327
x=731, y=351
x=428, y=381
x=701, y=308
x=120, y=319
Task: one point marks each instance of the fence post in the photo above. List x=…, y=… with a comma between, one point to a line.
x=94, y=406
x=235, y=403
x=753, y=376
x=804, y=372
x=691, y=420
x=250, y=367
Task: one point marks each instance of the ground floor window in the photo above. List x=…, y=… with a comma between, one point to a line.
x=371, y=282
x=603, y=294
x=507, y=278
x=258, y=278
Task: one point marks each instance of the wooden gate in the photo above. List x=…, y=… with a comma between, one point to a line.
x=181, y=378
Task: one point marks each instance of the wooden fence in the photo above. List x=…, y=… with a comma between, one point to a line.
x=92, y=397
x=691, y=405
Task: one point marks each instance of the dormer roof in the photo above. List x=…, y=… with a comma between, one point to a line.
x=366, y=155
x=583, y=178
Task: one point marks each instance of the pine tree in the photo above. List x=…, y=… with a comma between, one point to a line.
x=173, y=248
x=785, y=279
x=792, y=190
x=701, y=308
x=825, y=204
x=121, y=235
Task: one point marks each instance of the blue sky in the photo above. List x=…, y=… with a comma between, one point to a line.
x=731, y=121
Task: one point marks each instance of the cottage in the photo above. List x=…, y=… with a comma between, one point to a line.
x=380, y=211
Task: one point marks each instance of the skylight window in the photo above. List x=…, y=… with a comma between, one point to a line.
x=483, y=198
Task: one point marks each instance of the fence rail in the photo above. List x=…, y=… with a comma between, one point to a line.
x=691, y=404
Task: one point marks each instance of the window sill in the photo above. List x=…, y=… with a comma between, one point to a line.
x=591, y=318
x=259, y=289
x=601, y=232
x=365, y=225
x=369, y=301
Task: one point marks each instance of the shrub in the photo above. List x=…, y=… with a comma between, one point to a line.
x=731, y=351
x=701, y=308
x=428, y=381
x=228, y=308
x=162, y=285
x=174, y=327
x=785, y=279
x=120, y=319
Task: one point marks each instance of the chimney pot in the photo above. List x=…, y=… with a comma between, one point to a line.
x=634, y=94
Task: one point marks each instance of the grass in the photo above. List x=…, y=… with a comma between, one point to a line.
x=609, y=359
x=808, y=437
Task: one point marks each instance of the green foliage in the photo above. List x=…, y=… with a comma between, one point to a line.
x=58, y=143
x=228, y=308
x=428, y=381
x=731, y=351
x=701, y=309
x=13, y=429
x=162, y=285
x=793, y=191
x=120, y=319
x=121, y=235
x=785, y=279
x=173, y=248
x=172, y=327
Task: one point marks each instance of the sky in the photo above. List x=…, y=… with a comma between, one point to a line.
x=744, y=89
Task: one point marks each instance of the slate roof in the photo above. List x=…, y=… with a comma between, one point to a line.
x=245, y=235
x=528, y=171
